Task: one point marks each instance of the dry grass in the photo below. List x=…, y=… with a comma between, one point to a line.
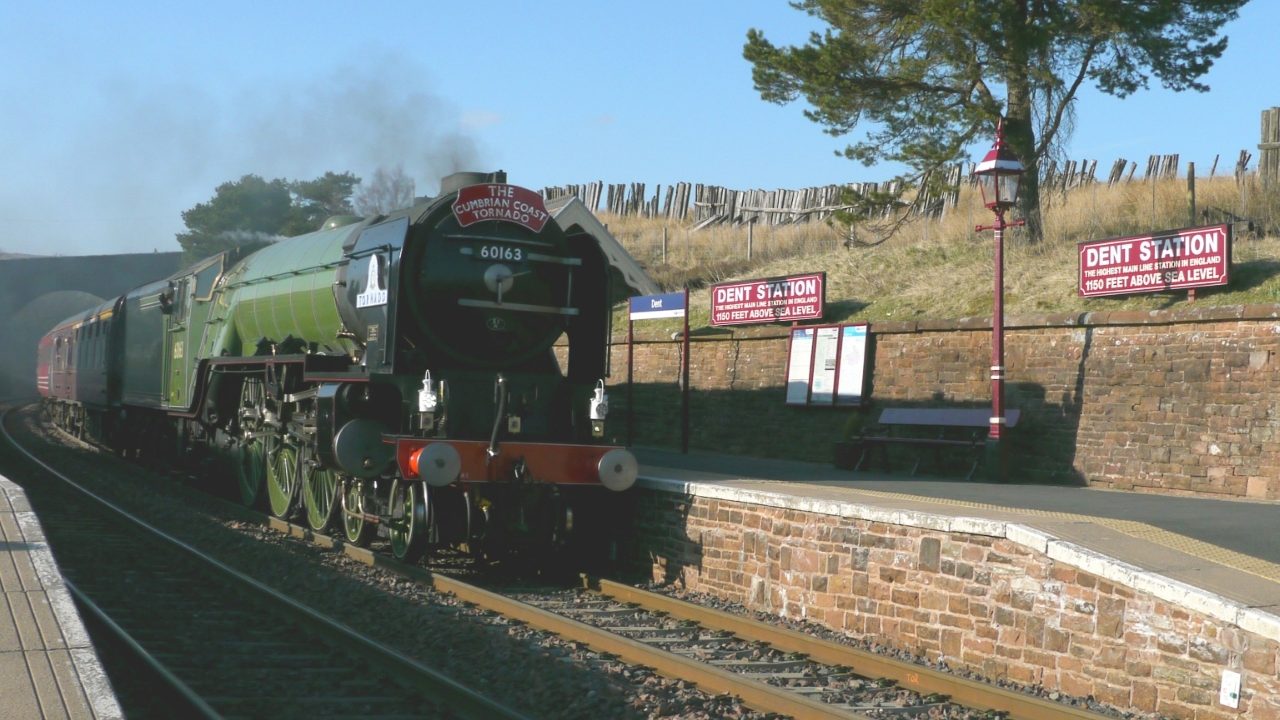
x=941, y=268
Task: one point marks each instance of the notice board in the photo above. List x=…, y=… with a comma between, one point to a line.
x=826, y=365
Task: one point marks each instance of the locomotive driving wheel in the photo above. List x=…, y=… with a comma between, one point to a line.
x=254, y=442
x=409, y=520
x=251, y=469
x=356, y=501
x=282, y=481
x=319, y=495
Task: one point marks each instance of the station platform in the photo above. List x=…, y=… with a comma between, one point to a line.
x=48, y=666
x=1217, y=557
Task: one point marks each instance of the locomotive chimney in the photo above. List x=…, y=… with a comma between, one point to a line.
x=455, y=182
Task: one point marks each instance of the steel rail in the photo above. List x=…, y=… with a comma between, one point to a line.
x=921, y=679
x=191, y=697
x=464, y=700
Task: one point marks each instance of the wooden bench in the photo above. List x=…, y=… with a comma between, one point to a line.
x=935, y=428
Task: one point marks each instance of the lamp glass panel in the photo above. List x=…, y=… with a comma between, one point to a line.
x=1009, y=187
x=987, y=185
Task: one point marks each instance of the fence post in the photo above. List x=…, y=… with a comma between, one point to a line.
x=1269, y=147
x=1191, y=193
x=1153, y=196
x=664, y=244
x=751, y=224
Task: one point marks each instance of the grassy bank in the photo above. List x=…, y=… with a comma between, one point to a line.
x=941, y=268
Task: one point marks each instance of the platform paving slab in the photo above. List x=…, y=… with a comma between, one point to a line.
x=48, y=666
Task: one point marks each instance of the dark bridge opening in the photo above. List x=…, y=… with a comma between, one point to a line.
x=38, y=292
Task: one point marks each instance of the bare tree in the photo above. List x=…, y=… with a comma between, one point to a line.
x=389, y=189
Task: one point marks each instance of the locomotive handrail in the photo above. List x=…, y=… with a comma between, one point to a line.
x=357, y=254
x=536, y=257
x=277, y=276
x=544, y=309
x=497, y=238
x=539, y=257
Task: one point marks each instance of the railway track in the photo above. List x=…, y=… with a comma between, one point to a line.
x=771, y=669
x=226, y=644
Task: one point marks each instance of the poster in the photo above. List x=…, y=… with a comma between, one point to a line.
x=826, y=365
x=799, y=361
x=853, y=359
x=826, y=345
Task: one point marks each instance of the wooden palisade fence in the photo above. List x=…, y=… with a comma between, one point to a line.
x=708, y=205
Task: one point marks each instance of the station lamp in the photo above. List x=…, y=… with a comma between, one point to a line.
x=999, y=176
x=999, y=179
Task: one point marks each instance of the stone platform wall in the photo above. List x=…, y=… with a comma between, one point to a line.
x=1003, y=601
x=1184, y=401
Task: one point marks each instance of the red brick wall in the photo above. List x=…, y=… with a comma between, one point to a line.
x=1172, y=401
x=980, y=603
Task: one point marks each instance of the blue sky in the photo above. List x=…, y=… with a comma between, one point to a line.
x=119, y=116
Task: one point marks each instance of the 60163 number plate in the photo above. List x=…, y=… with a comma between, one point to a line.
x=500, y=252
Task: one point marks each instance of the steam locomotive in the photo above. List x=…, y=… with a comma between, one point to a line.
x=403, y=375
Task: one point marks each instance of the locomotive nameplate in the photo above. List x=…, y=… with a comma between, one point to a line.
x=502, y=202
x=375, y=288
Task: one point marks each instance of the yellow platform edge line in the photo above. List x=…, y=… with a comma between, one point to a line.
x=1191, y=546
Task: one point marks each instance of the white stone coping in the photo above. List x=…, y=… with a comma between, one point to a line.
x=93, y=679
x=1254, y=620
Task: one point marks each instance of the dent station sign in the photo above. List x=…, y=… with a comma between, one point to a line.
x=785, y=299
x=1172, y=260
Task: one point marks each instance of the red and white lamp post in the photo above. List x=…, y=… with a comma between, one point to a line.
x=999, y=177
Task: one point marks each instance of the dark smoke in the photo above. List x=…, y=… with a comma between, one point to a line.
x=361, y=118
x=142, y=155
